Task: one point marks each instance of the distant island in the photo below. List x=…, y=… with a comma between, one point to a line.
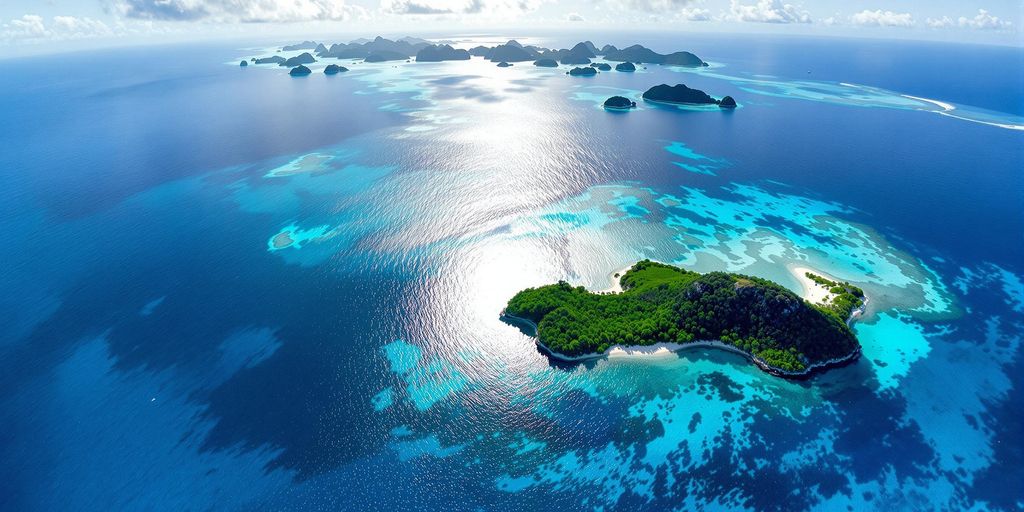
x=381, y=49
x=441, y=52
x=663, y=305
x=619, y=103
x=299, y=70
x=304, y=58
x=334, y=69
x=681, y=94
x=587, y=71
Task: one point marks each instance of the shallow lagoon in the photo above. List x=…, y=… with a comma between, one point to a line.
x=164, y=352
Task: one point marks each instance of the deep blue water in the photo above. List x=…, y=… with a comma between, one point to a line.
x=230, y=289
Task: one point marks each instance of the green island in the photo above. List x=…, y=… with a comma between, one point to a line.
x=779, y=331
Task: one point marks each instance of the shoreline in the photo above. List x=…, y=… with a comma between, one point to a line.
x=616, y=286
x=812, y=290
x=946, y=107
x=664, y=349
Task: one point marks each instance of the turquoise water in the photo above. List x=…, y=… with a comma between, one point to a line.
x=289, y=298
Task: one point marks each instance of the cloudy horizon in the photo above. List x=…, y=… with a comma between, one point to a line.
x=35, y=27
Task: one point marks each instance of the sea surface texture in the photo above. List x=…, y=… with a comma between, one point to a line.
x=229, y=289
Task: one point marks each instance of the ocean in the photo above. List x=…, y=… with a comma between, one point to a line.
x=231, y=289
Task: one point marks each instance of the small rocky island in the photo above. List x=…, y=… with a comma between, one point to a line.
x=299, y=70
x=619, y=103
x=303, y=58
x=662, y=304
x=546, y=63
x=441, y=52
x=587, y=71
x=681, y=94
x=626, y=67
x=334, y=69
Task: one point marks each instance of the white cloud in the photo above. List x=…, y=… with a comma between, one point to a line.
x=943, y=22
x=483, y=7
x=984, y=21
x=695, y=14
x=767, y=11
x=658, y=6
x=574, y=16
x=880, y=18
x=34, y=28
x=236, y=10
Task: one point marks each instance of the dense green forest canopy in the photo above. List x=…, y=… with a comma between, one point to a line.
x=663, y=303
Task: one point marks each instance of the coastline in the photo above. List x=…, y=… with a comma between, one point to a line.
x=816, y=294
x=616, y=286
x=663, y=349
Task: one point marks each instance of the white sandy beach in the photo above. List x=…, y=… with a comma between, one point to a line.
x=660, y=349
x=616, y=286
x=812, y=292
x=941, y=104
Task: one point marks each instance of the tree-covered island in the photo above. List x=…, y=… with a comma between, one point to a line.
x=782, y=333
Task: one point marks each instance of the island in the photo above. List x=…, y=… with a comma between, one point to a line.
x=619, y=103
x=334, y=69
x=602, y=66
x=385, y=56
x=441, y=52
x=681, y=94
x=305, y=45
x=504, y=64
x=243, y=64
x=727, y=102
x=546, y=63
x=363, y=48
x=587, y=71
x=667, y=306
x=303, y=58
x=512, y=51
x=638, y=53
x=299, y=70
x=579, y=54
x=380, y=49
x=276, y=59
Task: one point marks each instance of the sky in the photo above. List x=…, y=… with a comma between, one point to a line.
x=57, y=25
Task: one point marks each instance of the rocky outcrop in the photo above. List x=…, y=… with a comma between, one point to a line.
x=441, y=52
x=299, y=70
x=619, y=103
x=385, y=56
x=625, y=66
x=305, y=45
x=276, y=59
x=679, y=93
x=511, y=51
x=303, y=58
x=638, y=53
x=587, y=71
